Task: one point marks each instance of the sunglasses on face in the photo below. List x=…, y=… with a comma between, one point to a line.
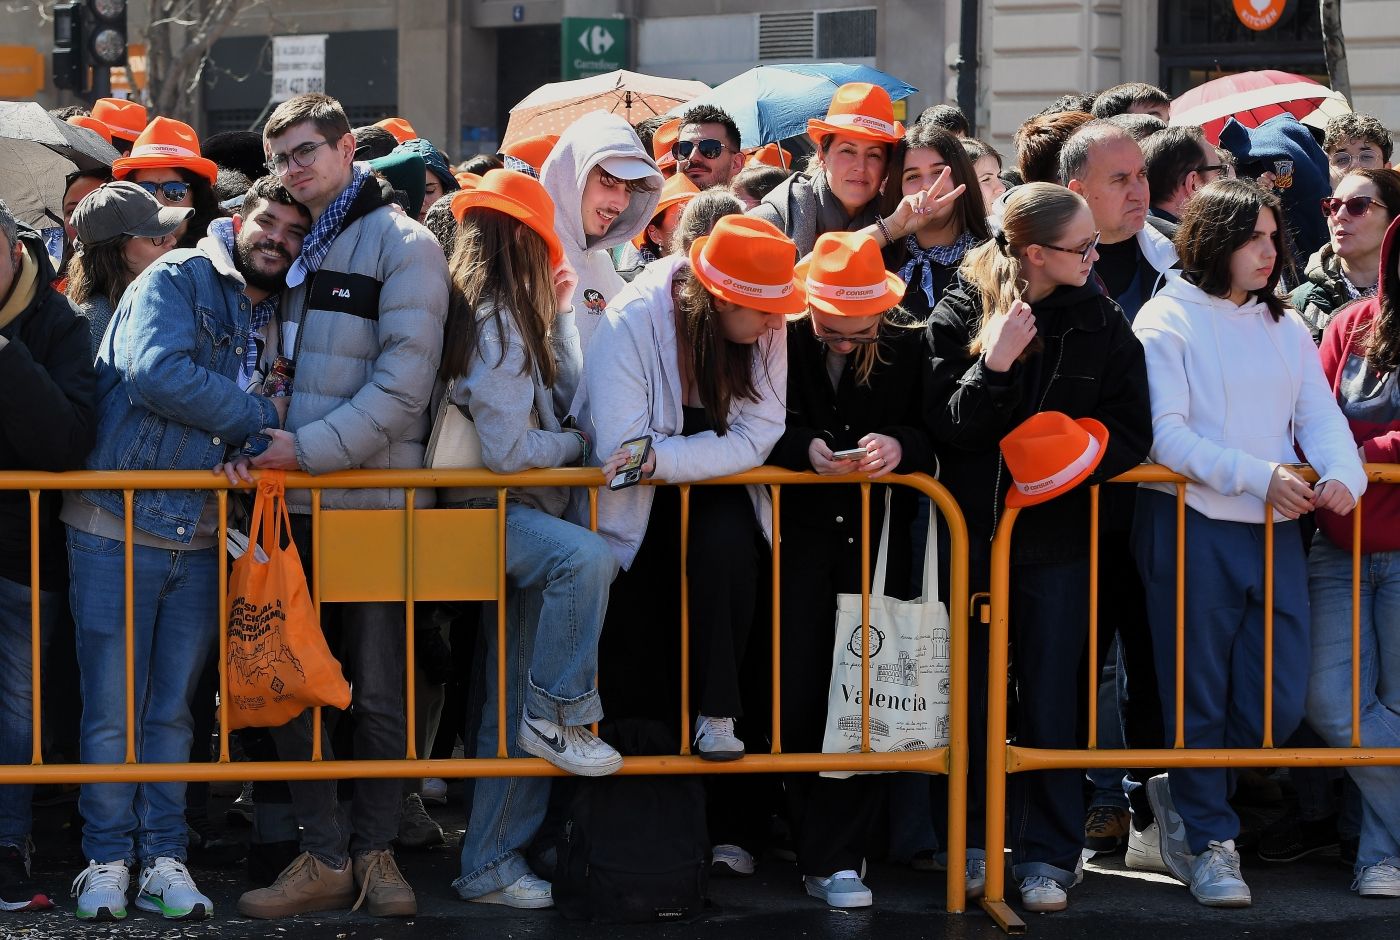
x=1083, y=253
x=709, y=148
x=172, y=191
x=864, y=339
x=1356, y=206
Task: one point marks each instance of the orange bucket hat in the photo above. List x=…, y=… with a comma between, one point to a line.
x=519, y=196
x=748, y=262
x=675, y=191
x=532, y=151
x=401, y=129
x=858, y=109
x=124, y=119
x=845, y=276
x=166, y=143
x=1050, y=454
x=769, y=155
x=663, y=142
x=92, y=124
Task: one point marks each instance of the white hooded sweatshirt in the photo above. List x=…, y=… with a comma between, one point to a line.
x=598, y=137
x=1231, y=390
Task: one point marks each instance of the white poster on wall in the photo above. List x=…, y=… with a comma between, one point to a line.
x=298, y=65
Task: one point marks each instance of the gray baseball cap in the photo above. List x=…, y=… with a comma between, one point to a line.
x=123, y=208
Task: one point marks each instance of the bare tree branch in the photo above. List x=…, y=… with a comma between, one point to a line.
x=1334, y=47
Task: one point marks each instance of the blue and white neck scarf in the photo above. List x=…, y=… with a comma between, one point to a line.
x=323, y=234
x=262, y=312
x=921, y=261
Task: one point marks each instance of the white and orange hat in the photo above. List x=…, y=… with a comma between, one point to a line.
x=858, y=109
x=663, y=142
x=768, y=155
x=124, y=119
x=92, y=124
x=401, y=129
x=676, y=191
x=166, y=142
x=1050, y=454
x=845, y=276
x=519, y=196
x=747, y=261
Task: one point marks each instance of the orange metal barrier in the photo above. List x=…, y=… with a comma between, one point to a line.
x=350, y=549
x=1004, y=758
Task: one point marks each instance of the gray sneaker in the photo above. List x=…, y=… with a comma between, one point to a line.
x=1215, y=877
x=1171, y=829
x=1379, y=881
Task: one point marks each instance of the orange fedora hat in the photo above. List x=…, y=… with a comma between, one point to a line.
x=92, y=124
x=845, y=275
x=769, y=155
x=166, y=143
x=401, y=129
x=519, y=196
x=1049, y=454
x=748, y=262
x=532, y=150
x=858, y=109
x=677, y=190
x=662, y=143
x=124, y=119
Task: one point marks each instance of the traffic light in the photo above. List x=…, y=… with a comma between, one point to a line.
x=69, y=67
x=106, y=40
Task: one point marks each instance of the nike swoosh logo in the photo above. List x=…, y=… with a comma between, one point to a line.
x=556, y=744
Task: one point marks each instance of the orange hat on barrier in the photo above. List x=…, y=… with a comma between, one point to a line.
x=92, y=124
x=769, y=155
x=1049, y=454
x=676, y=191
x=532, y=151
x=858, y=109
x=519, y=196
x=845, y=275
x=747, y=261
x=401, y=129
x=663, y=141
x=166, y=142
x=124, y=119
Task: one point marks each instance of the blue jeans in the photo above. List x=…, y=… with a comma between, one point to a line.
x=558, y=574
x=175, y=622
x=1329, y=685
x=16, y=698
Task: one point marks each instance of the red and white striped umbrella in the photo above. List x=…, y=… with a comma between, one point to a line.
x=1253, y=97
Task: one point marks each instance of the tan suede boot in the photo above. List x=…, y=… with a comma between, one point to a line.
x=305, y=886
x=383, y=890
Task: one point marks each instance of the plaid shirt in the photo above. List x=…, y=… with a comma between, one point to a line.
x=318, y=241
x=262, y=312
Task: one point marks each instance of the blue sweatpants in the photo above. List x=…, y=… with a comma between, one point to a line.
x=1224, y=679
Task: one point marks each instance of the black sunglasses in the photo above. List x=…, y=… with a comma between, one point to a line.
x=173, y=191
x=709, y=148
x=1356, y=206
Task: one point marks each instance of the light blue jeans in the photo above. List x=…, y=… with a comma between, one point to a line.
x=1329, y=684
x=16, y=699
x=558, y=578
x=176, y=620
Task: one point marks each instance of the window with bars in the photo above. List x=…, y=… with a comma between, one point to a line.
x=827, y=35
x=1199, y=40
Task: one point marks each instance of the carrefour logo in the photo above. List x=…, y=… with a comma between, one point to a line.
x=597, y=40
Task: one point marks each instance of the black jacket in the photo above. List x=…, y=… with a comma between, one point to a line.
x=1092, y=366
x=889, y=404
x=47, y=417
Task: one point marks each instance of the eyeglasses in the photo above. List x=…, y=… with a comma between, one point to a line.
x=302, y=156
x=1356, y=206
x=1211, y=168
x=172, y=191
x=1083, y=253
x=864, y=339
x=709, y=148
x=1343, y=160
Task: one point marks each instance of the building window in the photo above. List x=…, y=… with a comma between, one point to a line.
x=829, y=35
x=1203, y=39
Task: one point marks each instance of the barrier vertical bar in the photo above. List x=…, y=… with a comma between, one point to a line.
x=36, y=751
x=410, y=697
x=994, y=893
x=1268, y=626
x=777, y=734
x=685, y=620
x=865, y=618
x=1095, y=668
x=502, y=654
x=593, y=526
x=1180, y=737
x=316, y=600
x=1356, y=625
x=224, y=730
x=129, y=585
x=956, y=886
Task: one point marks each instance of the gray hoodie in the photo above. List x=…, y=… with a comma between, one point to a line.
x=596, y=138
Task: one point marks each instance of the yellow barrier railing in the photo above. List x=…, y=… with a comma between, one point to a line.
x=343, y=539
x=1004, y=758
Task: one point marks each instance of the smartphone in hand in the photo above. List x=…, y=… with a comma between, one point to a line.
x=855, y=453
x=630, y=473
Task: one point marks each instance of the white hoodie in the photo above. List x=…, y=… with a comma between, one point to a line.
x=1231, y=390
x=597, y=137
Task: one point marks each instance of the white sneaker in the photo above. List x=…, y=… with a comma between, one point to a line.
x=1215, y=877
x=167, y=889
x=843, y=889
x=1378, y=881
x=527, y=892
x=715, y=740
x=434, y=791
x=1043, y=895
x=101, y=891
x=728, y=859
x=1144, y=852
x=569, y=747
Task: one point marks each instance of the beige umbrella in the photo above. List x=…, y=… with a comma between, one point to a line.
x=632, y=96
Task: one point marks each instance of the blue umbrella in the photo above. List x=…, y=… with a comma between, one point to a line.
x=774, y=102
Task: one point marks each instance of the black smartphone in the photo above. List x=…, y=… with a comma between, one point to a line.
x=255, y=445
x=630, y=473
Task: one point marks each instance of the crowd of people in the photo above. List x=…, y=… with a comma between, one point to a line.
x=658, y=301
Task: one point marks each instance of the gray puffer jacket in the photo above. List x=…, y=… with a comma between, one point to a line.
x=368, y=341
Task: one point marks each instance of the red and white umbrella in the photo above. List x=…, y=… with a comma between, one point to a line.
x=1253, y=97
x=632, y=96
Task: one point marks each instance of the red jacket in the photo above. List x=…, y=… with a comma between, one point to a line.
x=1341, y=343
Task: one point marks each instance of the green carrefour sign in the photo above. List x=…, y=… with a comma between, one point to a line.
x=590, y=46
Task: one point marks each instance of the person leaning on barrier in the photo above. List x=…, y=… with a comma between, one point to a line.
x=1237, y=393
x=855, y=378
x=172, y=369
x=367, y=303
x=1030, y=331
x=1360, y=358
x=47, y=423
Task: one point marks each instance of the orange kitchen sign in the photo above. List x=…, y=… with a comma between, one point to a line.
x=1260, y=14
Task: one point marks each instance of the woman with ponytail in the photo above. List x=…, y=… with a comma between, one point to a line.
x=1029, y=331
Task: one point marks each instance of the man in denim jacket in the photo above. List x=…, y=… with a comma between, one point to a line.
x=171, y=374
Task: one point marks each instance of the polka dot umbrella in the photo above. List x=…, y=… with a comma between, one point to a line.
x=633, y=96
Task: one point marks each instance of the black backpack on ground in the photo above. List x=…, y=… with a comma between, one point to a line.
x=633, y=849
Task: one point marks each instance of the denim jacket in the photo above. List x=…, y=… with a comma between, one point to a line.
x=167, y=383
